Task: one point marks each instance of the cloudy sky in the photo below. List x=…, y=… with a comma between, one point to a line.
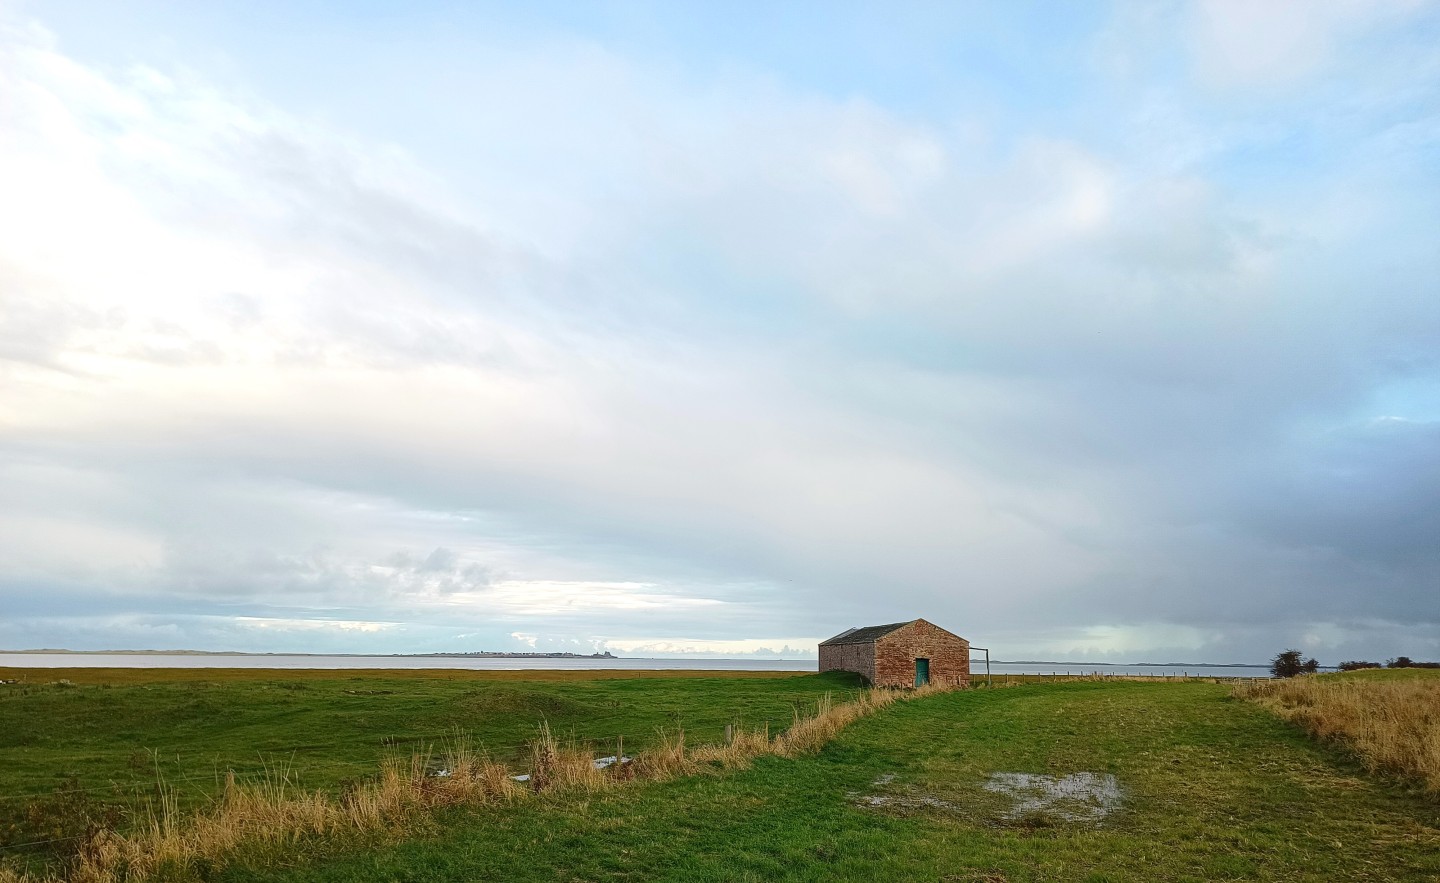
x=1085, y=331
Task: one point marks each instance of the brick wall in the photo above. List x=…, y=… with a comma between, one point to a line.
x=859, y=658
x=895, y=656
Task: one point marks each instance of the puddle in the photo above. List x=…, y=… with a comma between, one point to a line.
x=1079, y=797
x=923, y=801
x=600, y=764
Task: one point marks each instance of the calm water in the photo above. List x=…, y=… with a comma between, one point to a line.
x=163, y=660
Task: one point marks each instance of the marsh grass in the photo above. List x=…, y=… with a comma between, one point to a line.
x=1393, y=725
x=403, y=795
x=1212, y=789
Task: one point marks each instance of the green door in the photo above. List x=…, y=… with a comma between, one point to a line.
x=922, y=672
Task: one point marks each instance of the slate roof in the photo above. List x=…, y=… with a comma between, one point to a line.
x=866, y=635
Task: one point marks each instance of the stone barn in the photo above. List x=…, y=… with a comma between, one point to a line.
x=902, y=654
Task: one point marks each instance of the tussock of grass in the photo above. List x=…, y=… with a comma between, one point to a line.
x=1393, y=725
x=405, y=790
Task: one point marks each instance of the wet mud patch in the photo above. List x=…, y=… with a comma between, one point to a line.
x=1079, y=797
x=902, y=797
x=1021, y=799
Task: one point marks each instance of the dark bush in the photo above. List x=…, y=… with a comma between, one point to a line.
x=1357, y=664
x=1407, y=662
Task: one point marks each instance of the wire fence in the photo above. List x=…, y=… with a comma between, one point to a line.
x=34, y=843
x=1016, y=679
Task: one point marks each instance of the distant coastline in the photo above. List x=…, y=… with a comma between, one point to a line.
x=477, y=654
x=496, y=654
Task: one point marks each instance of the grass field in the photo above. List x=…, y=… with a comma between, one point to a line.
x=113, y=733
x=1211, y=788
x=1389, y=717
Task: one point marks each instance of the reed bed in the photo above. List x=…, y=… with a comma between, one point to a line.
x=1392, y=725
x=406, y=791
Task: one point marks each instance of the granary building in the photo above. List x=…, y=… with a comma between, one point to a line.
x=902, y=654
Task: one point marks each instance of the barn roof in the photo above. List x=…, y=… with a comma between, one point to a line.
x=865, y=635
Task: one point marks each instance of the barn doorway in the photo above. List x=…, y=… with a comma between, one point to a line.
x=922, y=672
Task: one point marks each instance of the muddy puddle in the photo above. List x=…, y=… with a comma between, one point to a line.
x=1078, y=797
x=1024, y=797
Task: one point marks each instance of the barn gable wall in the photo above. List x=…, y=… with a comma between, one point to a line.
x=895, y=655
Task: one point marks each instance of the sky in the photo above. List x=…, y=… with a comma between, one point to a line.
x=1086, y=331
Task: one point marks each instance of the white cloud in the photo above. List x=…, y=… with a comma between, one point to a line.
x=1278, y=44
x=311, y=625
x=625, y=356
x=571, y=597
x=776, y=648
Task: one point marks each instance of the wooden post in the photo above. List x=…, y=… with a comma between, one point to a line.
x=729, y=734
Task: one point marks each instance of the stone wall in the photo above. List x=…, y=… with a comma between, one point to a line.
x=895, y=656
x=859, y=658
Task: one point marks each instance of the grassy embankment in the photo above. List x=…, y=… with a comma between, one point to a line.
x=1212, y=789
x=96, y=744
x=1390, y=718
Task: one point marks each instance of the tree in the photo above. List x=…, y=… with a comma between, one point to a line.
x=1286, y=664
x=1400, y=662
x=1311, y=666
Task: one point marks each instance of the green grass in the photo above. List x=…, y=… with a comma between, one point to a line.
x=114, y=732
x=1215, y=789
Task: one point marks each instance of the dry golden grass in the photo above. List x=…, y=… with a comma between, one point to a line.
x=405, y=790
x=1393, y=725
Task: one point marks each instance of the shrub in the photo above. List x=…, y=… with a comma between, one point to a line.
x=1357, y=664
x=1407, y=662
x=1288, y=664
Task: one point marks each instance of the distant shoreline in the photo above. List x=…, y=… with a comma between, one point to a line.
x=481, y=654
x=487, y=654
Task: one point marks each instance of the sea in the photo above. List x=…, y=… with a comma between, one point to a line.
x=617, y=663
